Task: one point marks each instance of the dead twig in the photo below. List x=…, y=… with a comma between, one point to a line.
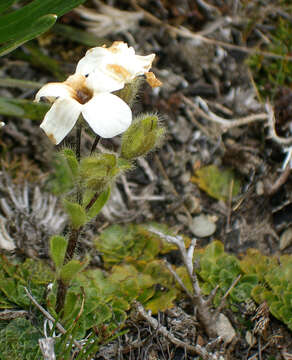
x=272, y=131
x=203, y=310
x=223, y=300
x=226, y=123
x=8, y=315
x=281, y=180
x=47, y=348
x=178, y=279
x=195, y=350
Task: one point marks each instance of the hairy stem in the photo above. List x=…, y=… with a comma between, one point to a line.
x=92, y=201
x=73, y=233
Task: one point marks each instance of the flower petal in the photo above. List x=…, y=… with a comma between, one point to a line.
x=93, y=58
x=107, y=115
x=53, y=90
x=117, y=61
x=141, y=64
x=101, y=82
x=60, y=119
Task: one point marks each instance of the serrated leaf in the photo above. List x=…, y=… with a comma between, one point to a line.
x=76, y=213
x=58, y=246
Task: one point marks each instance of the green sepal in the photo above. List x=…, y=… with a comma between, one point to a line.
x=58, y=246
x=142, y=136
x=76, y=213
x=99, y=204
x=72, y=268
x=129, y=92
x=98, y=171
x=124, y=164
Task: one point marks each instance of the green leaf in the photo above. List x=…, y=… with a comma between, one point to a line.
x=20, y=84
x=72, y=268
x=76, y=213
x=13, y=24
x=6, y=4
x=9, y=288
x=71, y=307
x=58, y=246
x=162, y=301
x=214, y=250
x=99, y=203
x=19, y=340
x=38, y=27
x=258, y=293
x=217, y=183
x=23, y=108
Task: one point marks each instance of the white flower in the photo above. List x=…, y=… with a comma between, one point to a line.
x=105, y=113
x=109, y=69
x=101, y=71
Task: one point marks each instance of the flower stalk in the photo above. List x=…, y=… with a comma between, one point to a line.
x=73, y=233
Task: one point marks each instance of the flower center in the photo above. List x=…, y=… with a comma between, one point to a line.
x=83, y=95
x=80, y=92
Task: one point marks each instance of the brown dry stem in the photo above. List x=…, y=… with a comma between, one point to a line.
x=195, y=350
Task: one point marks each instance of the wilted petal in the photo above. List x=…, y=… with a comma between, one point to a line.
x=141, y=64
x=60, y=119
x=107, y=115
x=53, y=90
